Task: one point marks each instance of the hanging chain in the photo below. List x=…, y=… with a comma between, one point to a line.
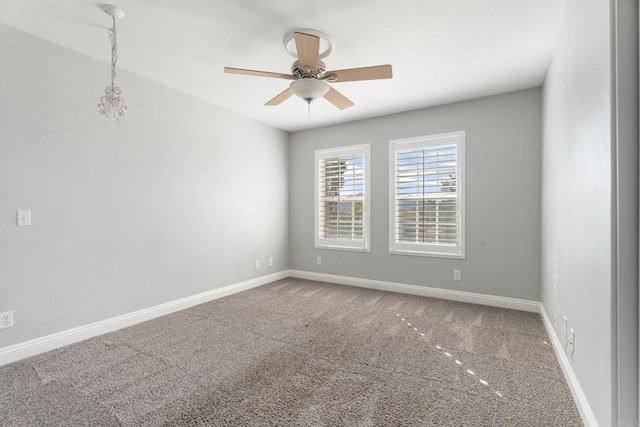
x=114, y=50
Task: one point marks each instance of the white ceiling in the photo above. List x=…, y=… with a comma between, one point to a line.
x=442, y=51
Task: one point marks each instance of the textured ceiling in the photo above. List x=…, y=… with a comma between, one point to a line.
x=441, y=51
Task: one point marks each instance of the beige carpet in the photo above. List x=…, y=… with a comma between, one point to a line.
x=301, y=353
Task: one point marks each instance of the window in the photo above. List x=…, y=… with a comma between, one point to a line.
x=427, y=195
x=342, y=198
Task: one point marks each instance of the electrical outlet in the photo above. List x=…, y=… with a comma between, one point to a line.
x=572, y=342
x=6, y=319
x=456, y=275
x=24, y=217
x=270, y=261
x=257, y=265
x=319, y=260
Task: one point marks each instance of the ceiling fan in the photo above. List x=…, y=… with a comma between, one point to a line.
x=309, y=73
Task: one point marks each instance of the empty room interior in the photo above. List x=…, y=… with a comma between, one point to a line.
x=417, y=213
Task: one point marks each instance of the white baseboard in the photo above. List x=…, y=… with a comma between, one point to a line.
x=588, y=418
x=40, y=345
x=490, y=300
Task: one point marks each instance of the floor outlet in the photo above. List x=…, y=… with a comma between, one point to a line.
x=319, y=260
x=257, y=265
x=6, y=320
x=456, y=275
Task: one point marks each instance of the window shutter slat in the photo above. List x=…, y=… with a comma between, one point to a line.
x=426, y=200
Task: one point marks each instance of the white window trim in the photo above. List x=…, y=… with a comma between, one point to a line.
x=359, y=245
x=420, y=249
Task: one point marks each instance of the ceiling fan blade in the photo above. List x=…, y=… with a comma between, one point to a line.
x=231, y=70
x=364, y=73
x=308, y=48
x=282, y=96
x=338, y=99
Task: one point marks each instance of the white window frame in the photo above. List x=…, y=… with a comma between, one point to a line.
x=426, y=249
x=360, y=245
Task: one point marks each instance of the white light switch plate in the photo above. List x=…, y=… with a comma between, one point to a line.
x=24, y=217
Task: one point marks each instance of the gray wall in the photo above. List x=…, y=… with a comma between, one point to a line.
x=577, y=203
x=180, y=198
x=503, y=155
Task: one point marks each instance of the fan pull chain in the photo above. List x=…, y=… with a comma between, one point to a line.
x=309, y=109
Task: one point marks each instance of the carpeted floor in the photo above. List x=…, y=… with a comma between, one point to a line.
x=301, y=353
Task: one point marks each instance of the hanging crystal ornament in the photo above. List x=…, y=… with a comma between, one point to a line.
x=112, y=104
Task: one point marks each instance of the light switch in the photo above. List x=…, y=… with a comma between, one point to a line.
x=24, y=217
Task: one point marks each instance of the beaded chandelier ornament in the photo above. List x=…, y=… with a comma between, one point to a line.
x=112, y=104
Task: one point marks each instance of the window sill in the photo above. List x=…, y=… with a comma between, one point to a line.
x=341, y=248
x=427, y=254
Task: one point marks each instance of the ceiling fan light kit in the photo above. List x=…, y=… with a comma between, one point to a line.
x=308, y=72
x=309, y=89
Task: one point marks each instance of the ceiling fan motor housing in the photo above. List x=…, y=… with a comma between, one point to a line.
x=302, y=72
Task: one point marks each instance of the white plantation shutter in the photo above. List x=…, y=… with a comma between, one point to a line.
x=426, y=195
x=341, y=205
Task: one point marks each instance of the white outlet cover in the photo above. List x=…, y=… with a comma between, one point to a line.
x=6, y=320
x=24, y=217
